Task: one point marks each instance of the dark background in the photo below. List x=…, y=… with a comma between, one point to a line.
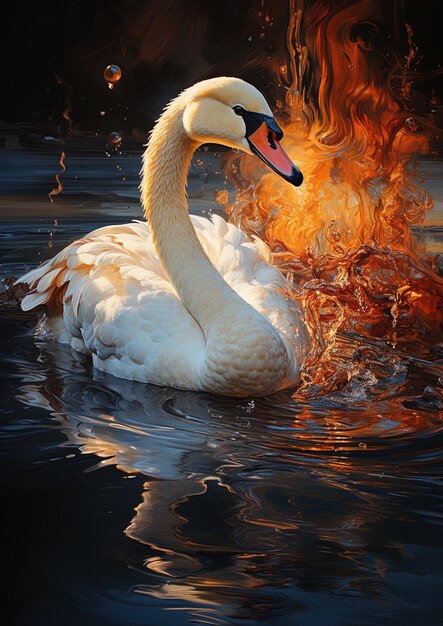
x=55, y=55
x=56, y=517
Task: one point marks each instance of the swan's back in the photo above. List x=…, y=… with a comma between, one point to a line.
x=108, y=295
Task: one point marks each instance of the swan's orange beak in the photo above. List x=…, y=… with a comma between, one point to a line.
x=263, y=135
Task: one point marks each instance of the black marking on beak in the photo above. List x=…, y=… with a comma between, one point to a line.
x=253, y=121
x=263, y=135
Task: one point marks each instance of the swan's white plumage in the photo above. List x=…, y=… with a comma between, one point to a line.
x=119, y=305
x=186, y=303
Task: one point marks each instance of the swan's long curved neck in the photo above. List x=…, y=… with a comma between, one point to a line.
x=244, y=354
x=165, y=166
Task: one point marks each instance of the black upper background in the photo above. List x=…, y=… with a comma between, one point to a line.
x=162, y=46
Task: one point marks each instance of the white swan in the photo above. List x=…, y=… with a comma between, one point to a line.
x=178, y=301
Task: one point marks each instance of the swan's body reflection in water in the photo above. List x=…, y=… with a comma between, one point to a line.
x=254, y=508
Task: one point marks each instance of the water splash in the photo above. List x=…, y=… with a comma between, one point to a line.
x=67, y=117
x=57, y=190
x=345, y=237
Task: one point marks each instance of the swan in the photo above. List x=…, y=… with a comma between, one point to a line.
x=180, y=301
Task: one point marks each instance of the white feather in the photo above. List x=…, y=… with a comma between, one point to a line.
x=238, y=334
x=109, y=303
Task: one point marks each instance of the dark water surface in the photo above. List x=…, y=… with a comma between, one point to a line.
x=128, y=504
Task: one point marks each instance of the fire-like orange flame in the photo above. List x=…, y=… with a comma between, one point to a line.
x=345, y=234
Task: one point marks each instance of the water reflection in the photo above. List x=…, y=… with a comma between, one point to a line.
x=322, y=511
x=252, y=508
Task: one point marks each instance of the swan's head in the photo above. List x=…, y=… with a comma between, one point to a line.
x=233, y=113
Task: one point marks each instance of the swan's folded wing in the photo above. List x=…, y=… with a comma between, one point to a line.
x=110, y=247
x=107, y=294
x=247, y=267
x=118, y=304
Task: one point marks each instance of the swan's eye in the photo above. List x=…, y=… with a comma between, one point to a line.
x=238, y=110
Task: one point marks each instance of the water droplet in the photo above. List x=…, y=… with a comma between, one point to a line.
x=262, y=35
x=112, y=75
x=411, y=124
x=362, y=445
x=114, y=138
x=222, y=197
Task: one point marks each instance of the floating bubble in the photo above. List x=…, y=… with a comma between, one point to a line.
x=114, y=138
x=112, y=75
